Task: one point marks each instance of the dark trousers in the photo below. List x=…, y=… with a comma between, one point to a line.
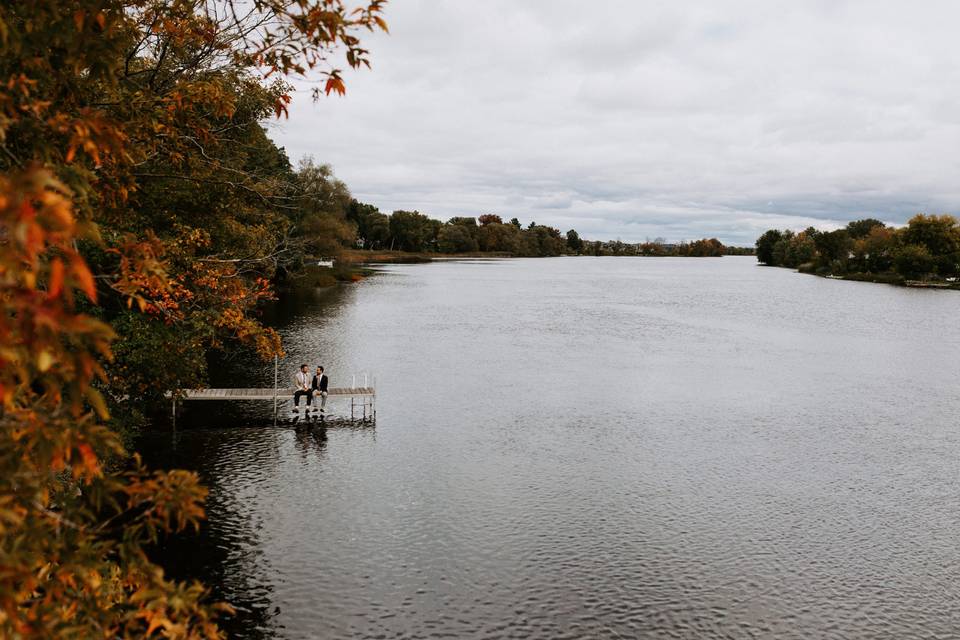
x=301, y=392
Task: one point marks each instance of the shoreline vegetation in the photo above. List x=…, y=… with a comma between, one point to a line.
x=408, y=235
x=366, y=236
x=352, y=265
x=923, y=254
x=370, y=256
x=146, y=218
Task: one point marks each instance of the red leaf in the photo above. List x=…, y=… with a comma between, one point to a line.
x=56, y=278
x=335, y=84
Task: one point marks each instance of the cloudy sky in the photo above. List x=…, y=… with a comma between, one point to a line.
x=632, y=119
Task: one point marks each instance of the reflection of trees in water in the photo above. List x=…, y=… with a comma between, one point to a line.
x=302, y=306
x=225, y=554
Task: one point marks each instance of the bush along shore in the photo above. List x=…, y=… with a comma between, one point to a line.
x=924, y=253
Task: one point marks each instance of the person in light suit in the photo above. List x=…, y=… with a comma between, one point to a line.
x=301, y=383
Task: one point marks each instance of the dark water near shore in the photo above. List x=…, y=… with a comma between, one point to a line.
x=595, y=448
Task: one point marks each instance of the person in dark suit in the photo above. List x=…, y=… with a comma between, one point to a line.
x=319, y=386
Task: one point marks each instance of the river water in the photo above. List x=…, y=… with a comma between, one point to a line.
x=593, y=448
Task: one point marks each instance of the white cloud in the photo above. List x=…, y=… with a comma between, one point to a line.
x=634, y=119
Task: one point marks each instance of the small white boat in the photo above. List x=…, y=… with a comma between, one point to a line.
x=324, y=263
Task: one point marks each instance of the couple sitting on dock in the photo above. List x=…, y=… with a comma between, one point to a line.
x=305, y=386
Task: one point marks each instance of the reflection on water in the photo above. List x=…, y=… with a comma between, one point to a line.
x=594, y=448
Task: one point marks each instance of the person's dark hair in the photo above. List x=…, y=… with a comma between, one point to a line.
x=321, y=368
x=304, y=365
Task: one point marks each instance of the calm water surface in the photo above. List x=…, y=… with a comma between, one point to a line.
x=595, y=448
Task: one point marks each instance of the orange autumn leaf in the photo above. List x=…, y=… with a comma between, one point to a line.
x=84, y=278
x=55, y=286
x=91, y=464
x=335, y=84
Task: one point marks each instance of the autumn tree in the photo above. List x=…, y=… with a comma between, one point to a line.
x=72, y=522
x=862, y=228
x=706, y=247
x=500, y=237
x=139, y=196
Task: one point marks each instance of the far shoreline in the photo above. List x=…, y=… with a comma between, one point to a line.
x=353, y=257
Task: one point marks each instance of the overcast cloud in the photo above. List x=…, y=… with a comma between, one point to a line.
x=639, y=119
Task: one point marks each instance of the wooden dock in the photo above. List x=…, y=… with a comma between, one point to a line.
x=362, y=399
x=267, y=394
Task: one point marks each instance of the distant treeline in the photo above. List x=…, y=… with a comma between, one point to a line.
x=705, y=248
x=415, y=232
x=927, y=248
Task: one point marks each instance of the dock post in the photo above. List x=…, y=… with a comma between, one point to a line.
x=174, y=412
x=276, y=383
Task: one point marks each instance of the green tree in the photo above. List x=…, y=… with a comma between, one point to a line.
x=878, y=249
x=574, y=243
x=862, y=228
x=325, y=201
x=833, y=248
x=411, y=231
x=456, y=238
x=471, y=223
x=499, y=237
x=373, y=227
x=706, y=248
x=376, y=228
x=941, y=236
x=913, y=261
x=801, y=250
x=542, y=241
x=766, y=244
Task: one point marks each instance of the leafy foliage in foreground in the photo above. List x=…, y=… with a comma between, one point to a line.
x=143, y=214
x=71, y=528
